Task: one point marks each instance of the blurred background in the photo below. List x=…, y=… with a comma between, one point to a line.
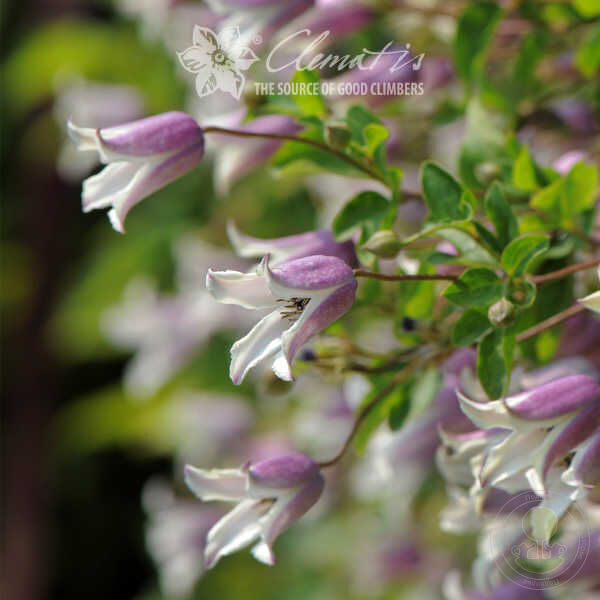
x=115, y=370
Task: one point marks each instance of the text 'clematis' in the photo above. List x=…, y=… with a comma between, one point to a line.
x=141, y=157
x=271, y=495
x=305, y=295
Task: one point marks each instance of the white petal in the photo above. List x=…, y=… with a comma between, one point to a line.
x=281, y=367
x=85, y=138
x=216, y=484
x=510, y=457
x=592, y=302
x=557, y=499
x=243, y=289
x=100, y=191
x=485, y=415
x=263, y=340
x=235, y=530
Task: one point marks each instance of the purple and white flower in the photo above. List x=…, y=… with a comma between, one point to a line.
x=523, y=441
x=271, y=495
x=292, y=247
x=141, y=157
x=304, y=295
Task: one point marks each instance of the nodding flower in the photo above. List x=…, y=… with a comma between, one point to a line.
x=305, y=295
x=271, y=495
x=141, y=157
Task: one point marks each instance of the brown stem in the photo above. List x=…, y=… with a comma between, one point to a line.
x=420, y=277
x=293, y=138
x=366, y=410
x=537, y=279
x=554, y=320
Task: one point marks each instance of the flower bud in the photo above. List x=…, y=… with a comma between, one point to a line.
x=338, y=135
x=383, y=244
x=501, y=313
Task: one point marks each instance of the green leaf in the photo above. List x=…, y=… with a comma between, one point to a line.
x=471, y=325
x=366, y=211
x=587, y=57
x=401, y=407
x=424, y=390
x=501, y=215
x=519, y=253
x=379, y=413
x=569, y=195
x=299, y=158
x=443, y=195
x=475, y=29
x=357, y=119
x=375, y=135
x=476, y=287
x=471, y=252
x=587, y=8
x=524, y=171
x=483, y=148
x=523, y=81
x=309, y=104
x=494, y=361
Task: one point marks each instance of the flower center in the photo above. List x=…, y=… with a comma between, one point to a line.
x=293, y=308
x=219, y=57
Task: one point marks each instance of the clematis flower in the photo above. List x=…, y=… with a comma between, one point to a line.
x=292, y=247
x=141, y=157
x=305, y=295
x=526, y=439
x=217, y=60
x=271, y=495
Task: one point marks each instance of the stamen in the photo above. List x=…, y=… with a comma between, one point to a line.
x=294, y=307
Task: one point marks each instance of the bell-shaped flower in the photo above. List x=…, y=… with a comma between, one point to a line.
x=141, y=157
x=292, y=247
x=271, y=495
x=527, y=438
x=305, y=295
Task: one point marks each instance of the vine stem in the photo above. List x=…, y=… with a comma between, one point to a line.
x=553, y=320
x=537, y=279
x=293, y=138
x=367, y=409
x=419, y=277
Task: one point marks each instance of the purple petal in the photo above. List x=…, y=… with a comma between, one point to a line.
x=155, y=178
x=326, y=313
x=283, y=472
x=284, y=513
x=565, y=162
x=587, y=469
x=307, y=274
x=166, y=132
x=576, y=431
x=292, y=247
x=554, y=399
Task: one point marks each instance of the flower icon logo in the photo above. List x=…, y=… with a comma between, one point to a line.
x=217, y=60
